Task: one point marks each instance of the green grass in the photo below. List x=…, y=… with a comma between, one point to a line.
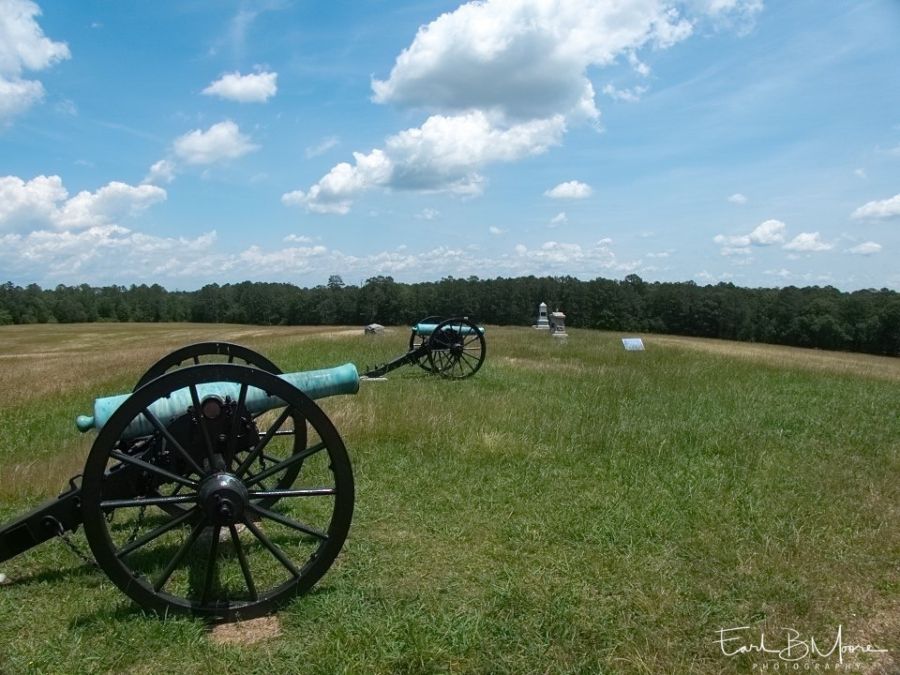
x=572, y=508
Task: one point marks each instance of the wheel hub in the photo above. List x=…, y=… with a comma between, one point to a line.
x=224, y=498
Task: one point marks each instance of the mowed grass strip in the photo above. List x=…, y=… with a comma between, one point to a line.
x=571, y=508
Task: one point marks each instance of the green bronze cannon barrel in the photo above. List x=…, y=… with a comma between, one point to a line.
x=425, y=329
x=314, y=383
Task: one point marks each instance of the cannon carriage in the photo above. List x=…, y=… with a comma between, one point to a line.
x=452, y=348
x=218, y=487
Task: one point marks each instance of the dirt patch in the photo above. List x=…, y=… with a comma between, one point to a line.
x=867, y=365
x=245, y=633
x=878, y=629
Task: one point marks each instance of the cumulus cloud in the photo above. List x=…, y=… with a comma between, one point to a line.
x=116, y=254
x=496, y=231
x=878, y=210
x=572, y=189
x=43, y=202
x=737, y=198
x=220, y=142
x=732, y=14
x=66, y=256
x=523, y=58
x=632, y=95
x=765, y=234
x=443, y=155
x=866, y=248
x=808, y=242
x=253, y=88
x=503, y=78
x=162, y=171
x=16, y=96
x=581, y=260
x=23, y=46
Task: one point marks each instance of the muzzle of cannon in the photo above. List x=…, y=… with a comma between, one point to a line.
x=217, y=487
x=452, y=348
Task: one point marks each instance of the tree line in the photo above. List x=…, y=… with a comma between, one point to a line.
x=820, y=317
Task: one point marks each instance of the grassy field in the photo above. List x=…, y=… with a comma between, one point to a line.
x=572, y=508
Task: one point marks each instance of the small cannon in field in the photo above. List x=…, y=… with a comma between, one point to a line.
x=452, y=348
x=218, y=489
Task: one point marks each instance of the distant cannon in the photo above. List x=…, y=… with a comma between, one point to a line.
x=215, y=489
x=452, y=348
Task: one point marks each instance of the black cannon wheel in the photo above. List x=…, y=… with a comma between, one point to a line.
x=225, y=555
x=416, y=341
x=456, y=349
x=216, y=352
x=207, y=352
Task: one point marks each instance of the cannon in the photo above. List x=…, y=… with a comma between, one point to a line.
x=216, y=488
x=452, y=348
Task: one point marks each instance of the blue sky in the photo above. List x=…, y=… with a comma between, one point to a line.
x=206, y=141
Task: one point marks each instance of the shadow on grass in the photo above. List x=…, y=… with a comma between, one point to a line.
x=65, y=574
x=129, y=610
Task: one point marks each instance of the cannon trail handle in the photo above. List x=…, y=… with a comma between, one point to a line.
x=51, y=519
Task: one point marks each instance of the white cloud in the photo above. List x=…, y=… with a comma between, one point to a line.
x=220, y=142
x=16, y=96
x=333, y=192
x=559, y=219
x=866, y=248
x=732, y=245
x=524, y=59
x=30, y=203
x=23, y=46
x=443, y=155
x=737, y=198
x=115, y=254
x=632, y=95
x=765, y=234
x=162, y=171
x=428, y=214
x=737, y=14
x=110, y=253
x=639, y=66
x=878, y=210
x=253, y=88
x=501, y=79
x=577, y=259
x=43, y=202
x=572, y=189
x=322, y=147
x=496, y=231
x=808, y=242
x=860, y=173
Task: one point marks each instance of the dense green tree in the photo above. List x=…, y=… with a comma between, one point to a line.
x=825, y=318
